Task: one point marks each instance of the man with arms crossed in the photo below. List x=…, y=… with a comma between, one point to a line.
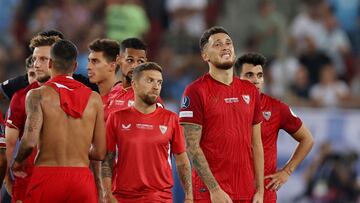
x=146, y=135
x=65, y=120
x=221, y=118
x=276, y=116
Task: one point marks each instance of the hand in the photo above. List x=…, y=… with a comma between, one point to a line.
x=277, y=180
x=258, y=197
x=188, y=201
x=217, y=195
x=19, y=169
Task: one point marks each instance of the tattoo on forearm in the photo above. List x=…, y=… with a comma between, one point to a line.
x=32, y=127
x=193, y=136
x=108, y=164
x=96, y=169
x=184, y=172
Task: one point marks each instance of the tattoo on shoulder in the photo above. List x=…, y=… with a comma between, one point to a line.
x=108, y=164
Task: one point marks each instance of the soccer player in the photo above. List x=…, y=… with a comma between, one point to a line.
x=17, y=116
x=146, y=135
x=62, y=171
x=221, y=118
x=276, y=115
x=132, y=53
x=102, y=70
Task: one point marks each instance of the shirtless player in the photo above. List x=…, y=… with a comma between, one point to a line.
x=65, y=121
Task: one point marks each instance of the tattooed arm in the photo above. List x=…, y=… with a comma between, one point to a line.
x=193, y=135
x=184, y=171
x=106, y=172
x=33, y=125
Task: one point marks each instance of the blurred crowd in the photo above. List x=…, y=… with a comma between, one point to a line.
x=312, y=46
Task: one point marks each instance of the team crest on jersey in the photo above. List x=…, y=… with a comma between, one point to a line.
x=163, y=129
x=126, y=127
x=130, y=103
x=185, y=102
x=246, y=98
x=267, y=115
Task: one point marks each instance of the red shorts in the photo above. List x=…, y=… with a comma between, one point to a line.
x=62, y=184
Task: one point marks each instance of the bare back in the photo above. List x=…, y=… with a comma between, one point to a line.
x=64, y=140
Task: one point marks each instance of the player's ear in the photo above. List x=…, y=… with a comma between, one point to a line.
x=113, y=66
x=205, y=56
x=50, y=63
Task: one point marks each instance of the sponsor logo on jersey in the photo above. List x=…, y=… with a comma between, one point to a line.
x=267, y=115
x=231, y=100
x=186, y=114
x=246, y=98
x=163, y=129
x=119, y=102
x=144, y=126
x=185, y=102
x=126, y=127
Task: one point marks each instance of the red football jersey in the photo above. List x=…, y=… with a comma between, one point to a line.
x=144, y=142
x=227, y=114
x=276, y=116
x=2, y=132
x=16, y=118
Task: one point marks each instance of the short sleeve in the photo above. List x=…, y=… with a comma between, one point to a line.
x=111, y=133
x=289, y=121
x=178, y=140
x=191, y=110
x=257, y=109
x=16, y=115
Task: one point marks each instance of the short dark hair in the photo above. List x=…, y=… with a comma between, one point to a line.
x=208, y=33
x=250, y=58
x=145, y=67
x=133, y=43
x=51, y=32
x=63, y=55
x=40, y=40
x=110, y=48
x=28, y=62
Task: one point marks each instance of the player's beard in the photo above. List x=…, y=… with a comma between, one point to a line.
x=224, y=65
x=128, y=77
x=148, y=99
x=43, y=79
